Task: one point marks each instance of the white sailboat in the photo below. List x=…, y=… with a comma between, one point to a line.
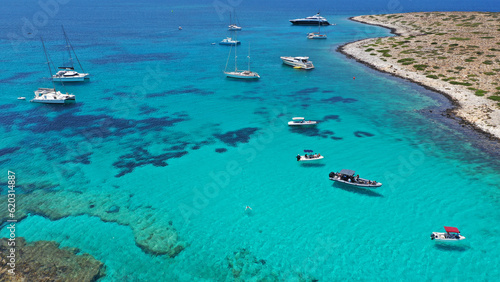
x=68, y=73
x=51, y=95
x=242, y=74
x=233, y=26
x=316, y=35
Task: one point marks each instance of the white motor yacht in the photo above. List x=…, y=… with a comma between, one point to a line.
x=298, y=62
x=452, y=234
x=312, y=20
x=300, y=121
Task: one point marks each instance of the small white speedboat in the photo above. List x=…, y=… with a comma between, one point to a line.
x=309, y=157
x=21, y=98
x=346, y=176
x=298, y=62
x=300, y=121
x=452, y=234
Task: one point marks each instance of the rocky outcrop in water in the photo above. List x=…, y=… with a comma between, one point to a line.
x=153, y=230
x=45, y=261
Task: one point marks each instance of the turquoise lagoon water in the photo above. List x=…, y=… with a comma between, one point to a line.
x=160, y=124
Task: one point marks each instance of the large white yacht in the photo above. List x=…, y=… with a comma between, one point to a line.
x=51, y=96
x=68, y=73
x=312, y=20
x=298, y=62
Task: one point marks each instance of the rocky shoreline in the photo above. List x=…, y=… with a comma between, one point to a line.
x=417, y=54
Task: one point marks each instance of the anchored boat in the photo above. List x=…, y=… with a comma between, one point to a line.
x=50, y=95
x=242, y=74
x=298, y=62
x=452, y=234
x=300, y=121
x=309, y=157
x=312, y=20
x=346, y=176
x=229, y=41
x=68, y=73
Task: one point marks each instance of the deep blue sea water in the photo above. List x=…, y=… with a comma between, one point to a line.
x=159, y=124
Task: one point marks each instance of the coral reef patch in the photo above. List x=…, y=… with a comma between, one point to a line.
x=153, y=230
x=244, y=266
x=45, y=261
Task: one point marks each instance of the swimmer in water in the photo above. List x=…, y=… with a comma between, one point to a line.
x=248, y=208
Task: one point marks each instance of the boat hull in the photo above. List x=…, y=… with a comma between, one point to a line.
x=239, y=75
x=322, y=36
x=292, y=123
x=442, y=237
x=230, y=43
x=357, y=184
x=304, y=159
x=297, y=64
x=310, y=22
x=70, y=78
x=47, y=101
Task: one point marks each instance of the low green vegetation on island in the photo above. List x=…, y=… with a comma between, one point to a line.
x=460, y=48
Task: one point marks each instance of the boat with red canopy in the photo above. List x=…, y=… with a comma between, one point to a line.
x=451, y=234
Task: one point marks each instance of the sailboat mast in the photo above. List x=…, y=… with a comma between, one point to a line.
x=48, y=63
x=67, y=46
x=235, y=56
x=71, y=46
x=248, y=56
